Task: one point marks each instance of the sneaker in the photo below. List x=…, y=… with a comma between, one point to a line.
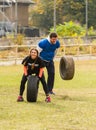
x=51, y=92
x=48, y=99
x=20, y=99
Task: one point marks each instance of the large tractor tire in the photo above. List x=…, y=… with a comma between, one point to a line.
x=66, y=68
x=32, y=88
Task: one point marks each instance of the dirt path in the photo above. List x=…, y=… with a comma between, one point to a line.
x=12, y=62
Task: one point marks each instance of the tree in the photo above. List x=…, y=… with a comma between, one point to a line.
x=92, y=13
x=66, y=10
x=42, y=15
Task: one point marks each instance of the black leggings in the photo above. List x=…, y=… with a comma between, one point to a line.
x=23, y=82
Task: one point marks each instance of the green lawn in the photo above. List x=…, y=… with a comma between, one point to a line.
x=72, y=108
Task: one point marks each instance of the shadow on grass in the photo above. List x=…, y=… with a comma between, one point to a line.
x=44, y=105
x=69, y=98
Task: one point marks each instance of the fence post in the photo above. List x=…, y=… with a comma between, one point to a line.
x=16, y=54
x=78, y=50
x=90, y=49
x=64, y=50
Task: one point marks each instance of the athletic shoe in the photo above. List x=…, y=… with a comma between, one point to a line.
x=51, y=92
x=48, y=99
x=20, y=99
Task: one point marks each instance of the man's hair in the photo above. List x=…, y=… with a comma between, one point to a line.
x=53, y=35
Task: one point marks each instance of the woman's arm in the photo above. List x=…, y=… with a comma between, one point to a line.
x=25, y=70
x=41, y=72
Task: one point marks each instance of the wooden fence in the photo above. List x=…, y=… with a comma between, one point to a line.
x=17, y=52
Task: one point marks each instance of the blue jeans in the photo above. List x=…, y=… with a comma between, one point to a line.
x=51, y=74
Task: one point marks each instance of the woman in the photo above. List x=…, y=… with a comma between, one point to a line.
x=33, y=65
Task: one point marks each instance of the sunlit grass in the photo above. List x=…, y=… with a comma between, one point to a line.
x=72, y=108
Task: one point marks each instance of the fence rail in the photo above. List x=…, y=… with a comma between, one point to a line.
x=80, y=49
x=17, y=52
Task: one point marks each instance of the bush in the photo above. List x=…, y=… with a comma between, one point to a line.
x=69, y=29
x=19, y=39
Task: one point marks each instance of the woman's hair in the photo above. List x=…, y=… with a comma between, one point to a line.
x=34, y=50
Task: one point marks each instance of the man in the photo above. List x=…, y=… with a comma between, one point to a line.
x=47, y=49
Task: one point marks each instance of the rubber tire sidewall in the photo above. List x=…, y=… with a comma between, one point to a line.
x=66, y=68
x=32, y=88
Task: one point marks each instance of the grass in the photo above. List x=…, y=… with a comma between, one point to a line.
x=72, y=108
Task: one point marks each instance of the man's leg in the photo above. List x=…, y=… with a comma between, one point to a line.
x=51, y=75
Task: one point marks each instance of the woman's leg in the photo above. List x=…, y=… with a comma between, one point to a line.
x=45, y=88
x=22, y=85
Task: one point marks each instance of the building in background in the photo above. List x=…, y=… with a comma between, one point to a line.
x=16, y=13
x=8, y=11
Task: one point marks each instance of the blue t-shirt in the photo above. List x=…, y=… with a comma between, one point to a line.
x=48, y=49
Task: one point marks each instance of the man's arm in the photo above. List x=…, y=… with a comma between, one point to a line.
x=39, y=48
x=58, y=46
x=41, y=45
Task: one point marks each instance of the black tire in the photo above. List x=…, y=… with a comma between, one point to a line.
x=66, y=68
x=32, y=88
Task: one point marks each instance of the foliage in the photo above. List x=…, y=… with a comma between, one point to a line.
x=18, y=39
x=41, y=15
x=69, y=29
x=91, y=13
x=91, y=31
